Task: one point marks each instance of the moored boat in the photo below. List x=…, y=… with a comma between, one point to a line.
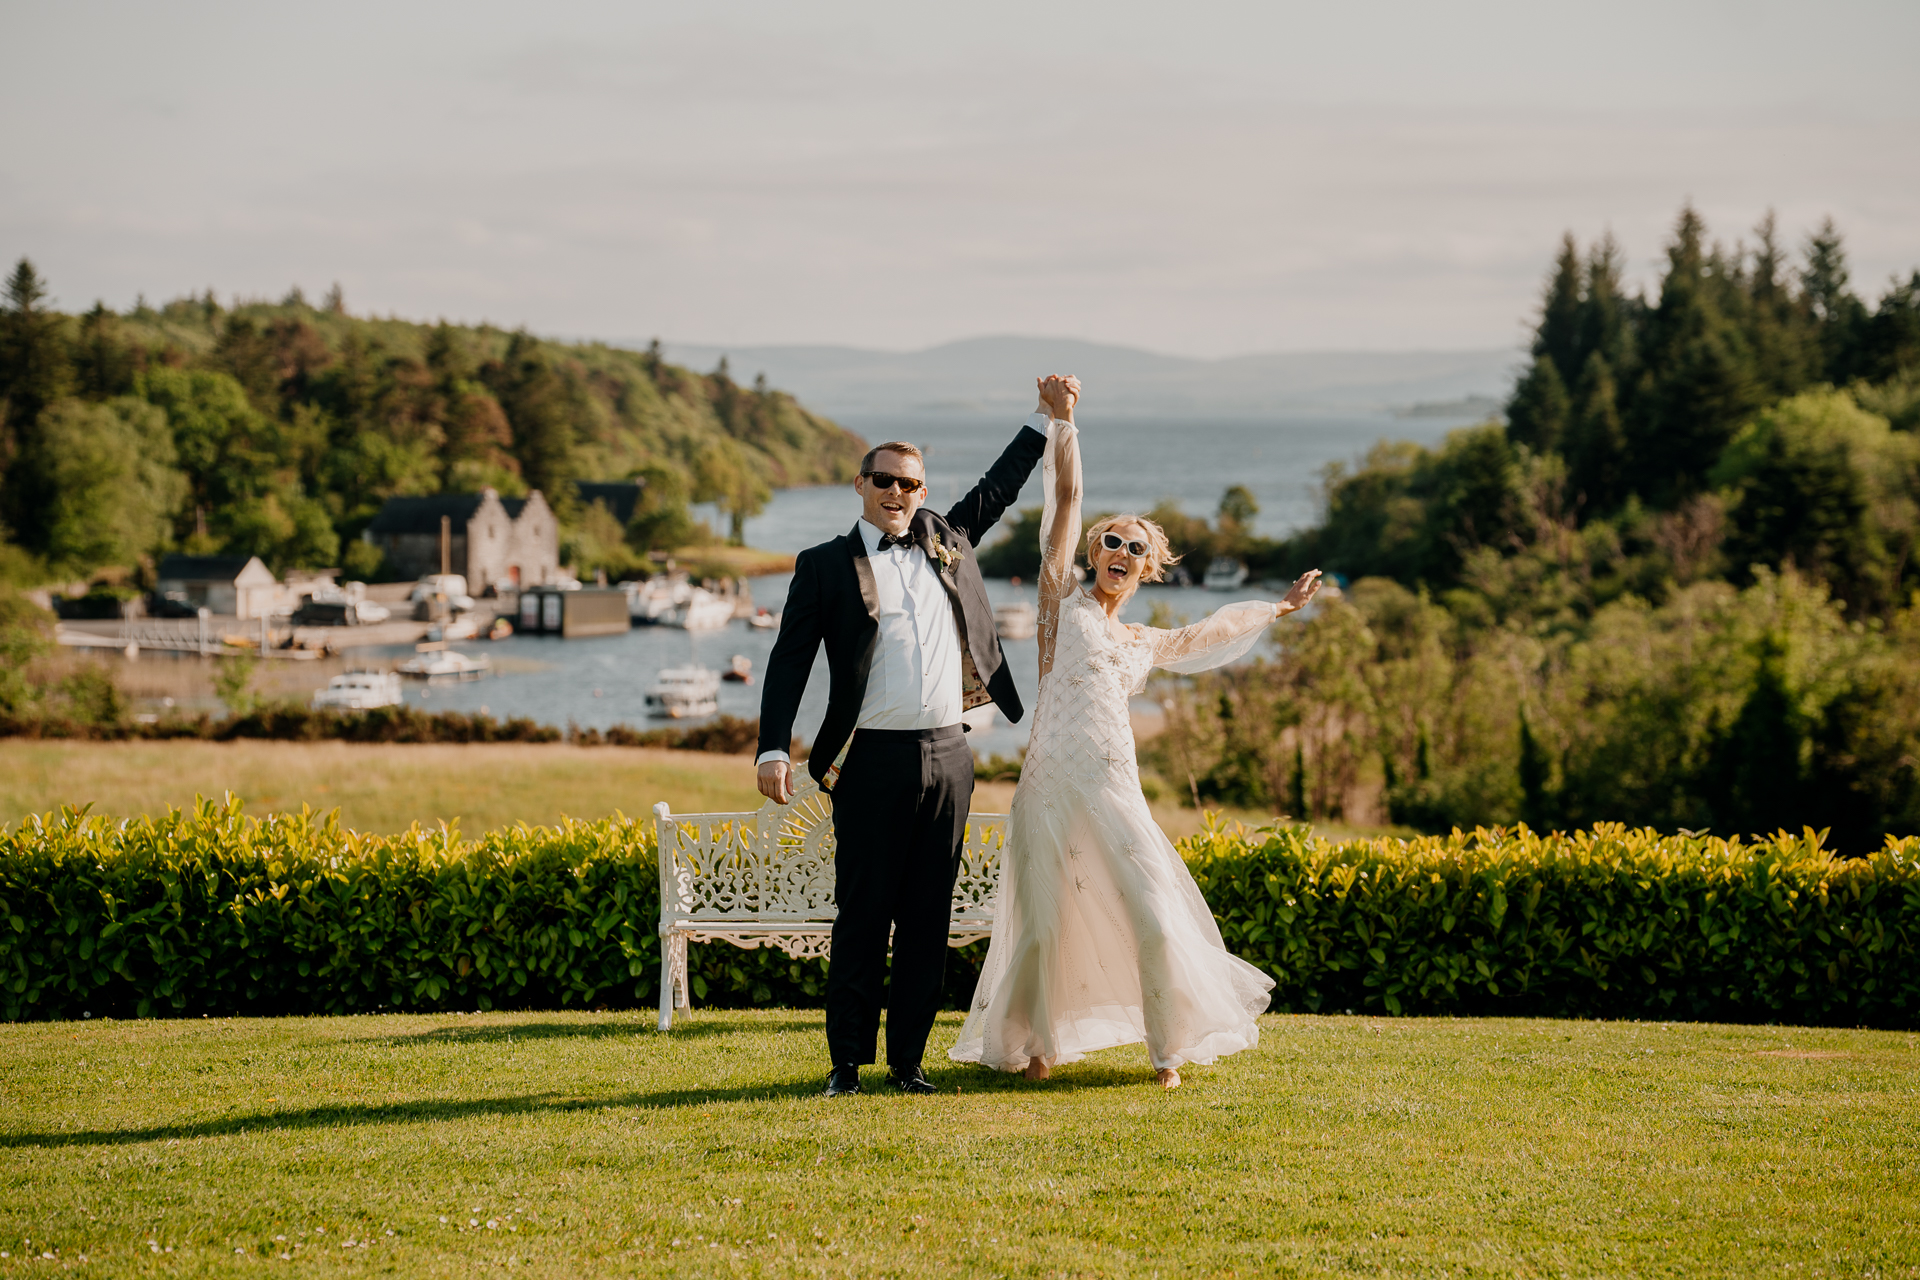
x=359, y=691
x=1225, y=574
x=436, y=662
x=701, y=611
x=680, y=692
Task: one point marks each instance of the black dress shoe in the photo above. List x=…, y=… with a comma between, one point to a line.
x=913, y=1080
x=843, y=1079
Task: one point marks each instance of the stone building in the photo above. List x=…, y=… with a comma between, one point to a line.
x=496, y=543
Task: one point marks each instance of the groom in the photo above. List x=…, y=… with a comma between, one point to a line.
x=899, y=603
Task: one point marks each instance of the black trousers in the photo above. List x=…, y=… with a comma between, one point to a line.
x=899, y=816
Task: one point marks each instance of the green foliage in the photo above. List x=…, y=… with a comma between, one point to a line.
x=112, y=483
x=1818, y=482
x=1735, y=710
x=292, y=425
x=660, y=519
x=231, y=681
x=26, y=634
x=1607, y=923
x=215, y=912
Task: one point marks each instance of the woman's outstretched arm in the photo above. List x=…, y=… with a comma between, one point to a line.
x=1227, y=633
x=1060, y=522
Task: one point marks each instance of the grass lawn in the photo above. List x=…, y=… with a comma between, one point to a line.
x=387, y=787
x=376, y=787
x=588, y=1144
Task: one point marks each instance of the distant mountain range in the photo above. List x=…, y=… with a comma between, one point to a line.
x=996, y=375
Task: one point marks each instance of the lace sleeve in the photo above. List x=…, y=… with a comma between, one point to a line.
x=1059, y=532
x=1214, y=641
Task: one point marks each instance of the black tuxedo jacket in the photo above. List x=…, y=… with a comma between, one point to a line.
x=833, y=601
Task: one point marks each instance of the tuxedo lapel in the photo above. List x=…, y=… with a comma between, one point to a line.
x=863, y=571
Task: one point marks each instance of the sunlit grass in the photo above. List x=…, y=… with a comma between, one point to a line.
x=589, y=1144
x=386, y=787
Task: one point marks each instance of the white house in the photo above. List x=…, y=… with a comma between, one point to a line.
x=238, y=585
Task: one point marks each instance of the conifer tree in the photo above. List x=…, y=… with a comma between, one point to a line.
x=1698, y=382
x=1836, y=313
x=1559, y=338
x=35, y=371
x=1776, y=321
x=1597, y=459
x=1541, y=411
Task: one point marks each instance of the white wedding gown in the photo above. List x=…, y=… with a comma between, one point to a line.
x=1100, y=935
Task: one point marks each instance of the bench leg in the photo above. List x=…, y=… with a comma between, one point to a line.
x=667, y=977
x=682, y=988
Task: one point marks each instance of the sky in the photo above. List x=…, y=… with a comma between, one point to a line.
x=1204, y=180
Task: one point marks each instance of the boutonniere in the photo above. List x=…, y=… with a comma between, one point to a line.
x=946, y=555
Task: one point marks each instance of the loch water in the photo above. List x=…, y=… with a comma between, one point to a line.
x=1130, y=463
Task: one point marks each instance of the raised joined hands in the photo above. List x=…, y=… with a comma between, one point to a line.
x=1058, y=395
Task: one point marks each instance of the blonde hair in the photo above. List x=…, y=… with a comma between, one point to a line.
x=1159, y=550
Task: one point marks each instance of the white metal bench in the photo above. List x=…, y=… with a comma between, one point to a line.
x=765, y=879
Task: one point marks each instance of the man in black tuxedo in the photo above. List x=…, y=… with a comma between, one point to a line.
x=900, y=605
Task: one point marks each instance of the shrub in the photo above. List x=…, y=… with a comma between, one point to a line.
x=1603, y=923
x=215, y=912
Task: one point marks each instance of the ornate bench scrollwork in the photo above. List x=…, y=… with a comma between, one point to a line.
x=765, y=879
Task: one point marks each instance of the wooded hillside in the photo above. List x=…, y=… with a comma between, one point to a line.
x=278, y=429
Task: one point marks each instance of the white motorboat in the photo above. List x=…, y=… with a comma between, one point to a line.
x=1225, y=574
x=680, y=692
x=702, y=611
x=1016, y=621
x=649, y=602
x=763, y=621
x=359, y=691
x=462, y=628
x=435, y=662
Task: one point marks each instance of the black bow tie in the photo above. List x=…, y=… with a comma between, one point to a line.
x=895, y=540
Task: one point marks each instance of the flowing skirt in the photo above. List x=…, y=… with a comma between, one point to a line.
x=1101, y=938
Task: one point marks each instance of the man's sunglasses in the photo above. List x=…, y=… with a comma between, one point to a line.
x=1113, y=542
x=886, y=480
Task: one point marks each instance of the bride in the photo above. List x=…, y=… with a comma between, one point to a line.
x=1101, y=937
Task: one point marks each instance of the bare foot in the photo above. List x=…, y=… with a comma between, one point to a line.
x=1168, y=1078
x=1037, y=1069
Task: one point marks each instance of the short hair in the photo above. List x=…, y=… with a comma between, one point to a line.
x=892, y=446
x=1159, y=550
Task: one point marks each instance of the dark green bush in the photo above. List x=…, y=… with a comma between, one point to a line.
x=1609, y=923
x=215, y=912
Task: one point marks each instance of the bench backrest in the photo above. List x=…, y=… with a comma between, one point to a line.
x=776, y=863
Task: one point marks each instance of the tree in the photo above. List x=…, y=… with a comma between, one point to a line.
x=1699, y=383
x=35, y=371
x=1597, y=461
x=1836, y=313
x=1559, y=339
x=725, y=476
x=660, y=521
x=1236, y=513
x=1539, y=413
x=1820, y=483
x=113, y=487
x=538, y=406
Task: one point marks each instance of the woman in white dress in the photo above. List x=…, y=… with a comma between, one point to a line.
x=1100, y=936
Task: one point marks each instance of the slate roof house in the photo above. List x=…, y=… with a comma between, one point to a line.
x=496, y=543
x=237, y=585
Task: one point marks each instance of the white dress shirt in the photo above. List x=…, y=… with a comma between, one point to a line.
x=914, y=682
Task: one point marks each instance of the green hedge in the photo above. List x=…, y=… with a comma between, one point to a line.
x=1606, y=923
x=214, y=912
